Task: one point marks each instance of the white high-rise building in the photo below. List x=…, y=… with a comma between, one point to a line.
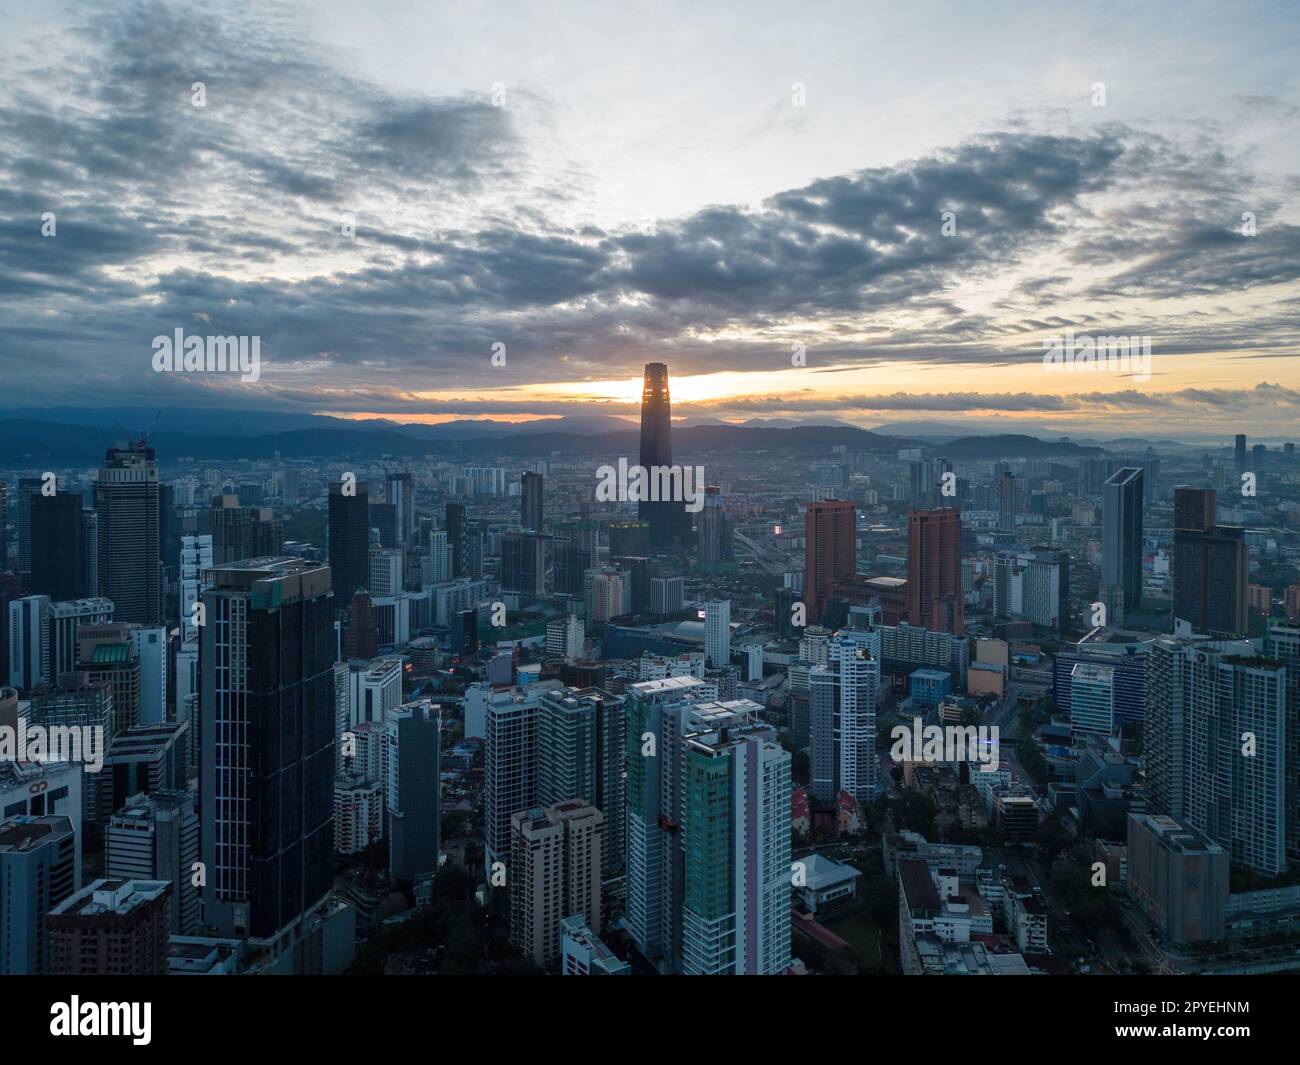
x=855, y=653
x=29, y=642
x=150, y=646
x=717, y=633
x=385, y=572
x=565, y=636
x=376, y=689
x=196, y=556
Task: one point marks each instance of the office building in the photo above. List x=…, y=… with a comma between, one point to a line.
x=29, y=642
x=66, y=619
x=156, y=837
x=112, y=928
x=530, y=501
x=349, y=538
x=1178, y=877
x=412, y=791
x=127, y=505
x=1121, y=544
x=667, y=594
x=1006, y=502
x=58, y=563
x=399, y=493
x=717, y=633
x=830, y=552
x=565, y=636
x=716, y=533
x=581, y=741
x=934, y=592
x=240, y=532
x=523, y=564
x=669, y=522
x=1211, y=567
x=358, y=812
x=1092, y=695
x=265, y=871
x=38, y=871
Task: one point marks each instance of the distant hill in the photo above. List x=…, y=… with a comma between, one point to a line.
x=1015, y=446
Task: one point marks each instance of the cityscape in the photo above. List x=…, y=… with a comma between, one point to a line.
x=795, y=583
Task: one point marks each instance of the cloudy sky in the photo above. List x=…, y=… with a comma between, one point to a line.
x=384, y=191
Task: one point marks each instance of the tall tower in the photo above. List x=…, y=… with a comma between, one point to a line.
x=413, y=734
x=349, y=539
x=1211, y=567
x=399, y=494
x=266, y=743
x=126, y=500
x=668, y=519
x=717, y=633
x=830, y=551
x=530, y=501
x=934, y=592
x=58, y=547
x=1121, y=543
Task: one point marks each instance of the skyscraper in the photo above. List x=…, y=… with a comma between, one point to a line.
x=580, y=753
x=717, y=633
x=830, y=552
x=1006, y=502
x=240, y=532
x=716, y=539
x=126, y=500
x=266, y=743
x=669, y=522
x=1239, y=451
x=156, y=837
x=58, y=547
x=736, y=844
x=555, y=873
x=413, y=789
x=934, y=592
x=349, y=539
x=1208, y=703
x=530, y=501
x=399, y=493
x=1211, y=571
x=1121, y=544
x=523, y=564
x=456, y=538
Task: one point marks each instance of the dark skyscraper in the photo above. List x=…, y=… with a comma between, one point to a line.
x=530, y=502
x=523, y=563
x=1121, y=543
x=934, y=592
x=1211, y=567
x=349, y=540
x=58, y=547
x=1006, y=502
x=266, y=743
x=400, y=494
x=414, y=754
x=669, y=522
x=28, y=489
x=716, y=539
x=1239, y=451
x=830, y=552
x=240, y=532
x=127, y=502
x=456, y=538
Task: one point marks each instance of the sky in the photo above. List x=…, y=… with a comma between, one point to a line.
x=867, y=213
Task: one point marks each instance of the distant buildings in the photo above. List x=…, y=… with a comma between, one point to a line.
x=127, y=508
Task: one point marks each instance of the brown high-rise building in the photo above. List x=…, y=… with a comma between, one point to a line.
x=934, y=593
x=830, y=551
x=1211, y=572
x=555, y=872
x=112, y=928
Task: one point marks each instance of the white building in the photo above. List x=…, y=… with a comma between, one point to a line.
x=717, y=633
